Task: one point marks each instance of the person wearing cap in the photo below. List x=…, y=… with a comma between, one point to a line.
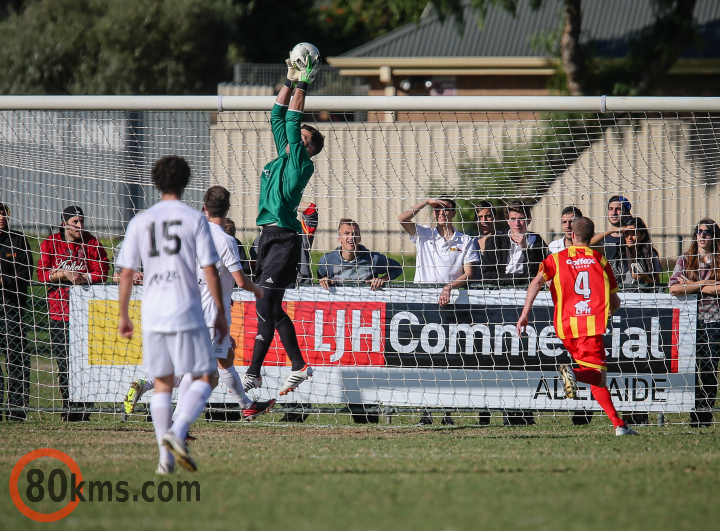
x=15, y=273
x=69, y=257
x=610, y=242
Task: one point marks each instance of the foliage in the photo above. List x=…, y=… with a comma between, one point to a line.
x=117, y=47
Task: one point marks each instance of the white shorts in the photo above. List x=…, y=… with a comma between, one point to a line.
x=220, y=350
x=177, y=353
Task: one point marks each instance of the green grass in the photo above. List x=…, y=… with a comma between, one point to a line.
x=396, y=477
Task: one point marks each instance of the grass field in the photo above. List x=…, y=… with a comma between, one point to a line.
x=396, y=477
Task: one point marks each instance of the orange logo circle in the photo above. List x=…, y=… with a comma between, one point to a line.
x=15, y=477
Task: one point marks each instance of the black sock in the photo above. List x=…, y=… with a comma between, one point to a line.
x=287, y=334
x=263, y=339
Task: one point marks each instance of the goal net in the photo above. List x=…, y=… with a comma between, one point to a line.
x=393, y=354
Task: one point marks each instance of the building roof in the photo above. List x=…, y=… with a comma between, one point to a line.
x=606, y=23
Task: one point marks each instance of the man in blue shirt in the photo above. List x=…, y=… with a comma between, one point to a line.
x=354, y=262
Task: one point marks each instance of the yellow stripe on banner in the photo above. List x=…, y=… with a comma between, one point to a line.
x=591, y=326
x=574, y=326
x=591, y=365
x=558, y=294
x=105, y=346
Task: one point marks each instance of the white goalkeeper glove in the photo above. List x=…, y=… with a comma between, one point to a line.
x=293, y=74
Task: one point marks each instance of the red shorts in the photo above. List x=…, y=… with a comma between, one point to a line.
x=587, y=351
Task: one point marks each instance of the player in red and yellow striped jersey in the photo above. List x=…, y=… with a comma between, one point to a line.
x=584, y=291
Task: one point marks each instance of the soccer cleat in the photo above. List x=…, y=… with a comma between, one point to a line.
x=257, y=408
x=164, y=469
x=189, y=437
x=250, y=382
x=178, y=448
x=624, y=430
x=569, y=381
x=295, y=379
x=133, y=395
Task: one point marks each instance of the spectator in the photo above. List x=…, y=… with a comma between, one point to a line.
x=137, y=275
x=354, y=262
x=15, y=273
x=514, y=259
x=444, y=255
x=567, y=216
x=610, y=242
x=486, y=217
x=641, y=262
x=69, y=257
x=230, y=229
x=698, y=271
x=309, y=224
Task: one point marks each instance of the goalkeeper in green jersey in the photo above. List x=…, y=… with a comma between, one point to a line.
x=279, y=245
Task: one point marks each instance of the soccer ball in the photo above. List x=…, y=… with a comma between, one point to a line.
x=300, y=53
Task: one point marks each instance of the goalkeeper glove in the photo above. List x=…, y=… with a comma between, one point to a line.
x=307, y=74
x=293, y=74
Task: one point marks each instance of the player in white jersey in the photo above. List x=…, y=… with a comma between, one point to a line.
x=168, y=240
x=217, y=204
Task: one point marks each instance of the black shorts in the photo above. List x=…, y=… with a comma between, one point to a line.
x=278, y=256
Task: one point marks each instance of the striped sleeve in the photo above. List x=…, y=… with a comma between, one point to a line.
x=611, y=276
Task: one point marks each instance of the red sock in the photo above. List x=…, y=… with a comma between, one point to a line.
x=602, y=395
x=588, y=375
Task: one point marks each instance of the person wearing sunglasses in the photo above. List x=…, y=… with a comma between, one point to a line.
x=698, y=271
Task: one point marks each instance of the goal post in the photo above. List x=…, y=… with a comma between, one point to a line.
x=395, y=349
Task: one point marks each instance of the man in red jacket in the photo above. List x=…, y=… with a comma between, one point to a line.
x=69, y=257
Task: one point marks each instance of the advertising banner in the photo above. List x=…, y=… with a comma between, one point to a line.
x=399, y=347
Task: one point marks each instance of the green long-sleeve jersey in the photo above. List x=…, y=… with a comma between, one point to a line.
x=284, y=179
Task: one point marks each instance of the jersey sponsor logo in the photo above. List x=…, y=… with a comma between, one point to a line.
x=163, y=277
x=580, y=262
x=582, y=308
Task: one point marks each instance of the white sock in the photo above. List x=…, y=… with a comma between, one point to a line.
x=190, y=407
x=231, y=379
x=161, y=411
x=149, y=384
x=182, y=384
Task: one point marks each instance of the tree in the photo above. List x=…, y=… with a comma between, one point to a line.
x=116, y=47
x=651, y=52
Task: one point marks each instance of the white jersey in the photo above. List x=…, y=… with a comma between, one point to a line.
x=229, y=262
x=169, y=240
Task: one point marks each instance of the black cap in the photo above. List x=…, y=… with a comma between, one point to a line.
x=71, y=212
